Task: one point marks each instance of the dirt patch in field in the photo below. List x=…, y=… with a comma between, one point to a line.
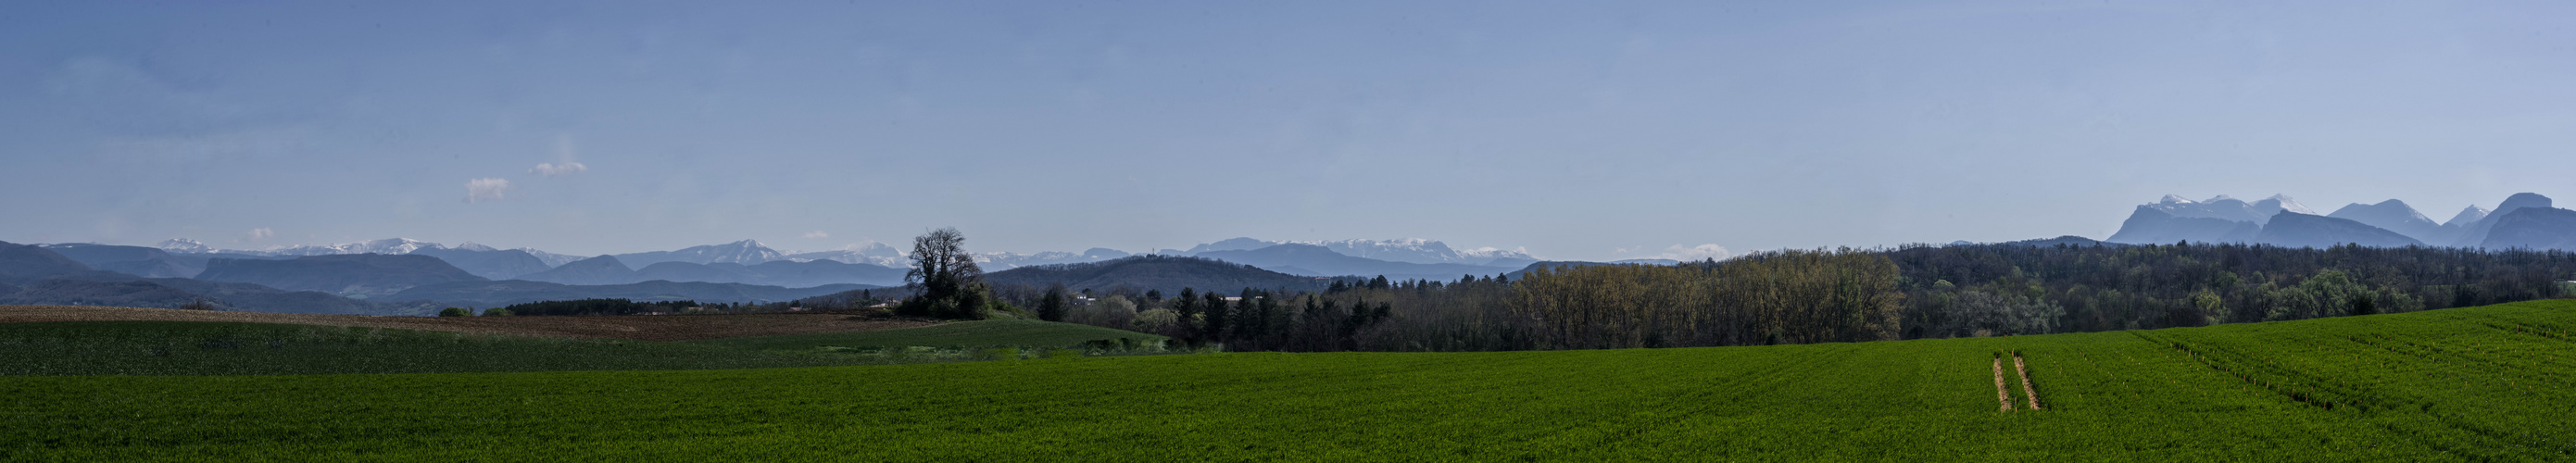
x=639, y=327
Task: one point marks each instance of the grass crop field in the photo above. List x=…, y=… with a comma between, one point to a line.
x=636, y=327
x=986, y=333
x=218, y=348
x=223, y=348
x=2488, y=383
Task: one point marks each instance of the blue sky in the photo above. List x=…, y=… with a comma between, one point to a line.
x=1575, y=130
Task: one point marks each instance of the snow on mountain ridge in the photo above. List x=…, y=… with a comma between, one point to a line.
x=1408, y=250
x=2283, y=202
x=185, y=245
x=2468, y=216
x=383, y=246
x=873, y=253
x=2229, y=208
x=996, y=261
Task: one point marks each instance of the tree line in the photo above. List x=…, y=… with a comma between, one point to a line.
x=1782, y=297
x=1839, y=295
x=2023, y=289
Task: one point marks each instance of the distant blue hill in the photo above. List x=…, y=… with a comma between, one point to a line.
x=1321, y=261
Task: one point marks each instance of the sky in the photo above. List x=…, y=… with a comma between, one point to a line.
x=1589, y=130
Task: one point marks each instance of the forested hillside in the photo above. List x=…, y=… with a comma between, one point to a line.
x=2008, y=289
x=1845, y=295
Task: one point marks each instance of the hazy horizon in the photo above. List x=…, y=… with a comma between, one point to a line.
x=1575, y=131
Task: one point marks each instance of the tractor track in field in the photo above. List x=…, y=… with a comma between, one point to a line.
x=2028, y=391
x=635, y=327
x=2003, y=393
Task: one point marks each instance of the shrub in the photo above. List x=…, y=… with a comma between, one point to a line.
x=1153, y=321
x=455, y=312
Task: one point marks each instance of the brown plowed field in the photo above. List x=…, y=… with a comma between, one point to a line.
x=640, y=327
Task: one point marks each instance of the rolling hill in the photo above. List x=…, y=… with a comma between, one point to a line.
x=354, y=275
x=602, y=270
x=610, y=270
x=2290, y=229
x=2149, y=225
x=29, y=263
x=482, y=261
x=132, y=260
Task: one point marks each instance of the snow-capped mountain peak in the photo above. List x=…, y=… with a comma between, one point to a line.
x=2284, y=202
x=470, y=246
x=871, y=252
x=2229, y=208
x=184, y=245
x=746, y=252
x=383, y=246
x=1410, y=250
x=997, y=261
x=2471, y=215
x=552, y=259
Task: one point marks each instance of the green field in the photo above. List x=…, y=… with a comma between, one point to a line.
x=986, y=333
x=2449, y=385
x=207, y=348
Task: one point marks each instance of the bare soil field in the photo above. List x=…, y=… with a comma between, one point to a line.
x=638, y=327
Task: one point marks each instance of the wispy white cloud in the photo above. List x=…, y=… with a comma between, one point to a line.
x=552, y=169
x=480, y=189
x=817, y=234
x=261, y=233
x=566, y=159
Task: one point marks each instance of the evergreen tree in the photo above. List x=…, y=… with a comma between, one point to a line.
x=1051, y=307
x=1214, y=328
x=1186, y=309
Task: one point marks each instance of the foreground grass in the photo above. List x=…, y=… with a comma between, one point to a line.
x=2459, y=384
x=985, y=333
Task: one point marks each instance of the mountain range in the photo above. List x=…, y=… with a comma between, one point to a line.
x=1410, y=250
x=410, y=277
x=612, y=270
x=2523, y=220
x=872, y=263
x=416, y=276
x=353, y=275
x=369, y=284
x=1319, y=261
x=1169, y=274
